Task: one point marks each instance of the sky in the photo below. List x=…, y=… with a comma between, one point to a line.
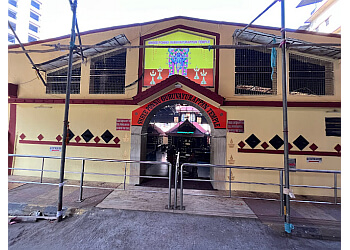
x=57, y=15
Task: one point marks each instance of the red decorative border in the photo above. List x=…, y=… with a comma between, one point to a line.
x=266, y=151
x=70, y=144
x=280, y=104
x=11, y=135
x=159, y=32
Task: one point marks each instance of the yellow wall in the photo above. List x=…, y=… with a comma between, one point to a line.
x=264, y=122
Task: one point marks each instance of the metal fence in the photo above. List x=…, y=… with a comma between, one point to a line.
x=121, y=164
x=280, y=184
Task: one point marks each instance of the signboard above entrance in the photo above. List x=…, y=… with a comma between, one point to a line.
x=196, y=64
x=216, y=115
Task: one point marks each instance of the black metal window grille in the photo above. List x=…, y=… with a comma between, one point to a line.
x=253, y=72
x=310, y=76
x=107, y=73
x=333, y=126
x=57, y=81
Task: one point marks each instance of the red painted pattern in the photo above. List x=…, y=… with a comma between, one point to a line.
x=54, y=143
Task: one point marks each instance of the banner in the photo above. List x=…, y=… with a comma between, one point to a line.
x=217, y=116
x=195, y=64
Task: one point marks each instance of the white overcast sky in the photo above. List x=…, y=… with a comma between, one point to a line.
x=92, y=14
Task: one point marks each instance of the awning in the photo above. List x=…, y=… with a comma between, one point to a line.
x=265, y=39
x=61, y=61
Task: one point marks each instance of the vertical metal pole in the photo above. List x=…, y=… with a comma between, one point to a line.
x=42, y=171
x=287, y=224
x=124, y=174
x=176, y=174
x=81, y=181
x=335, y=188
x=281, y=192
x=66, y=112
x=182, y=188
x=170, y=175
x=230, y=182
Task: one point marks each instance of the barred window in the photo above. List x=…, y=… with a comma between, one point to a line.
x=57, y=80
x=107, y=73
x=253, y=72
x=309, y=76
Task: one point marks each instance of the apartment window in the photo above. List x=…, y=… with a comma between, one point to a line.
x=107, y=73
x=13, y=3
x=12, y=14
x=31, y=39
x=57, y=80
x=253, y=72
x=333, y=126
x=35, y=4
x=34, y=28
x=34, y=16
x=310, y=76
x=13, y=25
x=11, y=38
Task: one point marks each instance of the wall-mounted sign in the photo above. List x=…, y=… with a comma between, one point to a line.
x=235, y=126
x=55, y=149
x=314, y=159
x=123, y=124
x=292, y=162
x=216, y=115
x=196, y=64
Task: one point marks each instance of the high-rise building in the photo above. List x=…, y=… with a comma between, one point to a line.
x=25, y=17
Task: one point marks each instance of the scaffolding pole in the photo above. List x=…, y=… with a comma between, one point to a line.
x=66, y=112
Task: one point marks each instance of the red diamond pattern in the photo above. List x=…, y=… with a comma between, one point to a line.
x=22, y=136
x=77, y=139
x=241, y=144
x=290, y=146
x=338, y=148
x=264, y=145
x=97, y=139
x=59, y=138
x=40, y=137
x=313, y=147
x=116, y=140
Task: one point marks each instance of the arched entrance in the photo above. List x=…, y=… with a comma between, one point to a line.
x=216, y=119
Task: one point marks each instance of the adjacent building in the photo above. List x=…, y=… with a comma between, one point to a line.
x=25, y=18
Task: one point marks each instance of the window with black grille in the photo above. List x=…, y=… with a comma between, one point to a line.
x=107, y=73
x=57, y=80
x=310, y=76
x=253, y=72
x=333, y=126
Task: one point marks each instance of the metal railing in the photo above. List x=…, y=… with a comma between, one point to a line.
x=83, y=172
x=280, y=184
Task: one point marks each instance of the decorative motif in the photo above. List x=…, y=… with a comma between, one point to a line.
x=159, y=71
x=241, y=144
x=125, y=138
x=97, y=139
x=116, y=140
x=337, y=148
x=77, y=139
x=196, y=69
x=300, y=142
x=59, y=138
x=125, y=154
x=231, y=160
x=107, y=136
x=252, y=141
x=231, y=145
x=40, y=137
x=87, y=135
x=178, y=61
x=264, y=145
x=204, y=74
x=70, y=134
x=22, y=136
x=313, y=147
x=276, y=142
x=153, y=74
x=290, y=146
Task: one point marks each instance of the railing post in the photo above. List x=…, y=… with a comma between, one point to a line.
x=182, y=188
x=124, y=174
x=335, y=188
x=230, y=182
x=176, y=174
x=42, y=171
x=81, y=181
x=169, y=175
x=281, y=192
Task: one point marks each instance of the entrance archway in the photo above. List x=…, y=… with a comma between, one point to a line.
x=216, y=119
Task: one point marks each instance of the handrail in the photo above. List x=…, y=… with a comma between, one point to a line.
x=82, y=172
x=281, y=170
